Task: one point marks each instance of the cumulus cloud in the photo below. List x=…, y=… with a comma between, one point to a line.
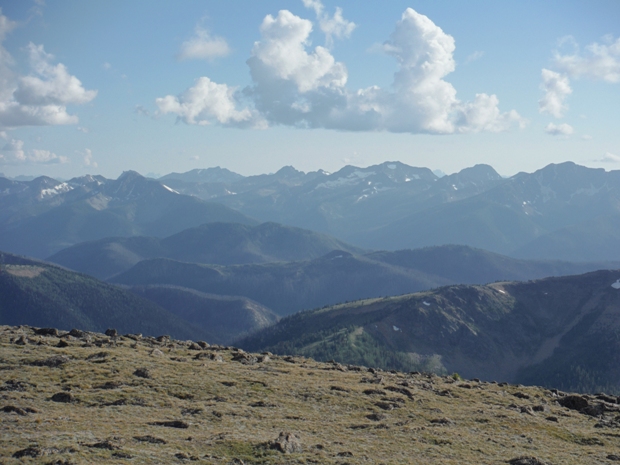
x=609, y=158
x=559, y=129
x=335, y=26
x=556, y=87
x=13, y=153
x=600, y=61
x=203, y=46
x=87, y=158
x=294, y=84
x=41, y=97
x=206, y=102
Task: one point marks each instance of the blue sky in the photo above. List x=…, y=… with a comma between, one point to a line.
x=159, y=86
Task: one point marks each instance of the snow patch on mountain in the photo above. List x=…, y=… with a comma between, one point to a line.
x=352, y=179
x=170, y=189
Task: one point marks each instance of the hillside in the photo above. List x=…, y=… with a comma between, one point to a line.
x=557, y=332
x=216, y=243
x=221, y=319
x=36, y=293
x=120, y=400
x=340, y=276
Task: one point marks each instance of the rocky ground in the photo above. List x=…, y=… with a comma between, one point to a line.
x=73, y=398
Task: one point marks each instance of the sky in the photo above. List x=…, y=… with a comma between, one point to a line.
x=162, y=86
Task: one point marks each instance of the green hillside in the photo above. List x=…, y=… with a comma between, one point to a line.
x=38, y=294
x=556, y=332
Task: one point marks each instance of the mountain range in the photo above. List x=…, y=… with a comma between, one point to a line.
x=42, y=216
x=562, y=211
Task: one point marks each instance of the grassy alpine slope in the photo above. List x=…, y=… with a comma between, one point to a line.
x=145, y=401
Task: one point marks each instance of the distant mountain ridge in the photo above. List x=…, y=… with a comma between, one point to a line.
x=558, y=212
x=216, y=243
x=340, y=276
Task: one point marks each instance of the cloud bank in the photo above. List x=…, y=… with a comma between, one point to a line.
x=13, y=153
x=296, y=85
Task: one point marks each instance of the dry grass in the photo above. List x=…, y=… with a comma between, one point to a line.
x=233, y=410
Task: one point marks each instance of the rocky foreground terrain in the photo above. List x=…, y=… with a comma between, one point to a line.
x=78, y=397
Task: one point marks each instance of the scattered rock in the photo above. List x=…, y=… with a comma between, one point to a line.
x=156, y=353
x=527, y=409
x=244, y=358
x=401, y=390
x=46, y=332
x=14, y=386
x=376, y=416
x=442, y=421
x=62, y=344
x=375, y=392
x=286, y=443
x=64, y=397
x=110, y=332
x=35, y=451
x=149, y=439
x=615, y=458
x=520, y=395
x=573, y=402
x=194, y=346
x=122, y=455
x=143, y=373
x=552, y=418
x=98, y=356
x=109, y=385
x=18, y=410
x=52, y=362
x=526, y=461
x=21, y=341
x=171, y=424
x=108, y=444
x=77, y=333
x=203, y=344
x=339, y=389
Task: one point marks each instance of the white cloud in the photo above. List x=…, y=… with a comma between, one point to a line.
x=206, y=102
x=608, y=158
x=82, y=129
x=559, y=129
x=203, y=46
x=333, y=27
x=39, y=98
x=296, y=85
x=474, y=56
x=87, y=157
x=52, y=84
x=13, y=153
x=281, y=54
x=557, y=88
x=600, y=61
x=586, y=137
